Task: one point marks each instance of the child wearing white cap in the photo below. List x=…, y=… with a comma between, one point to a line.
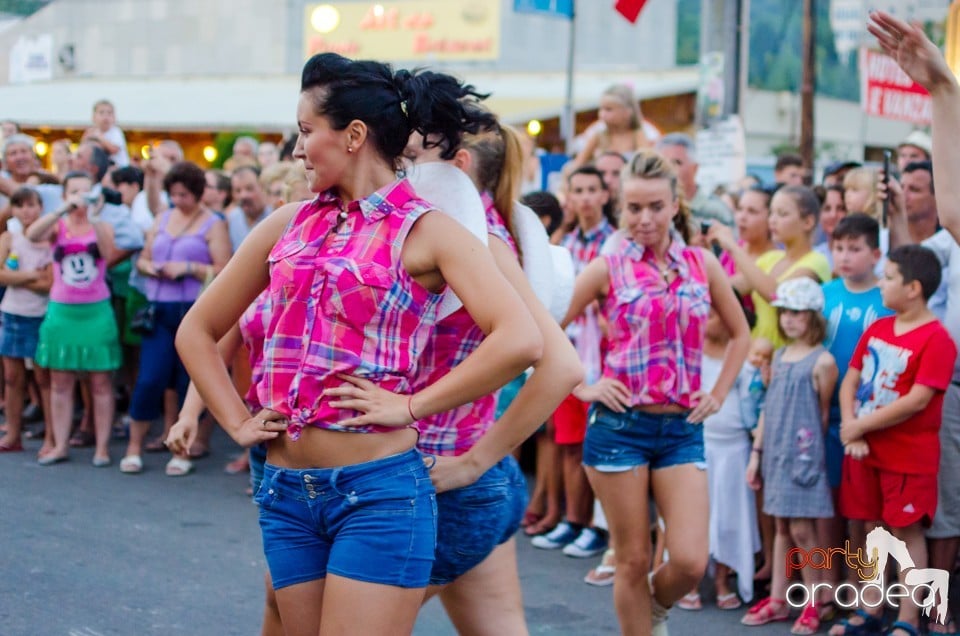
x=788, y=449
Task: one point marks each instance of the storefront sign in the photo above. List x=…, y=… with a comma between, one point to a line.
x=887, y=91
x=405, y=31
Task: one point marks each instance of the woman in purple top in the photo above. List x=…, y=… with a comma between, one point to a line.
x=187, y=246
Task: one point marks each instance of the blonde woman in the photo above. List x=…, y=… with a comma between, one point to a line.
x=622, y=131
x=645, y=431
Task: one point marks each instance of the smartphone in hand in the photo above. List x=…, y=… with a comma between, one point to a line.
x=886, y=184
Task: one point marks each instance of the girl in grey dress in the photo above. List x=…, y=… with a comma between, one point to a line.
x=788, y=452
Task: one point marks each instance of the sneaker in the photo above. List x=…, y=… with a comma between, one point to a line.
x=560, y=536
x=590, y=542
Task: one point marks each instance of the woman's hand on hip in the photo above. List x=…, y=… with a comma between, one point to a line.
x=610, y=392
x=376, y=405
x=264, y=426
x=450, y=473
x=706, y=405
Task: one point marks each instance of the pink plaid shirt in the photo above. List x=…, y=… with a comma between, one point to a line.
x=585, y=332
x=343, y=303
x=253, y=330
x=454, y=432
x=656, y=330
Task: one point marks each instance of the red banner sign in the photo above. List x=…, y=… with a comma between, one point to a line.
x=887, y=91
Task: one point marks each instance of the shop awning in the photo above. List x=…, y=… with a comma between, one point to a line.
x=268, y=104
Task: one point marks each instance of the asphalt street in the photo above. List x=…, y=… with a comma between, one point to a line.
x=92, y=552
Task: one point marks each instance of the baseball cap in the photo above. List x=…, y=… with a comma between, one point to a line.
x=918, y=139
x=837, y=166
x=799, y=294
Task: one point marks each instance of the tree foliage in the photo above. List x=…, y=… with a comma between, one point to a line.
x=776, y=28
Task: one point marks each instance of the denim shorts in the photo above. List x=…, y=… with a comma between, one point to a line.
x=475, y=519
x=258, y=457
x=617, y=442
x=374, y=522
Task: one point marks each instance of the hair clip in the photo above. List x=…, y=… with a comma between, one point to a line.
x=403, y=107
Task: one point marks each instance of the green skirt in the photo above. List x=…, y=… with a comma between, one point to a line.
x=79, y=338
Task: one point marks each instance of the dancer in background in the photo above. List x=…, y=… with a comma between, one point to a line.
x=347, y=509
x=646, y=426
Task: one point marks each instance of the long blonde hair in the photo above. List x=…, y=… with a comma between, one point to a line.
x=497, y=167
x=650, y=164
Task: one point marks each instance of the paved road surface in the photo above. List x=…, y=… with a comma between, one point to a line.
x=92, y=552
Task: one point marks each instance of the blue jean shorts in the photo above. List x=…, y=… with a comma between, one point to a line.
x=475, y=519
x=374, y=522
x=617, y=442
x=258, y=457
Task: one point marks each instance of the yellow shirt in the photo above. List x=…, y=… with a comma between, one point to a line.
x=766, y=326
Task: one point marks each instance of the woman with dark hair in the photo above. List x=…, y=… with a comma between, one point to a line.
x=187, y=246
x=347, y=508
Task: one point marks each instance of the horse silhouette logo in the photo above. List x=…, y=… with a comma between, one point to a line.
x=881, y=546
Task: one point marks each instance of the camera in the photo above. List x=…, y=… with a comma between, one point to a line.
x=110, y=197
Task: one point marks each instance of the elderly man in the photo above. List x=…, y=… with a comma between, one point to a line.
x=705, y=208
x=251, y=204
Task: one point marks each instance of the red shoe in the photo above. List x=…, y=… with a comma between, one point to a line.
x=766, y=611
x=11, y=448
x=808, y=623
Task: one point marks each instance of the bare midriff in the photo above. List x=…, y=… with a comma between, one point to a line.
x=659, y=409
x=322, y=448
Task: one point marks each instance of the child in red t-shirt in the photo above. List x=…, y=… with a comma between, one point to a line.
x=890, y=402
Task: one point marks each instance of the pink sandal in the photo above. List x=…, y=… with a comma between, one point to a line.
x=766, y=611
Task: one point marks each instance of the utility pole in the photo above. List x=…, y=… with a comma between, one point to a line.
x=808, y=82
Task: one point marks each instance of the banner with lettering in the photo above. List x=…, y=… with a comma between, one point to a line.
x=887, y=92
x=405, y=31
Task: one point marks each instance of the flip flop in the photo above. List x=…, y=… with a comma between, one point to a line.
x=11, y=448
x=729, y=601
x=690, y=602
x=600, y=576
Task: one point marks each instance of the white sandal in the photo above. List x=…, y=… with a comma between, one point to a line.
x=178, y=467
x=131, y=465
